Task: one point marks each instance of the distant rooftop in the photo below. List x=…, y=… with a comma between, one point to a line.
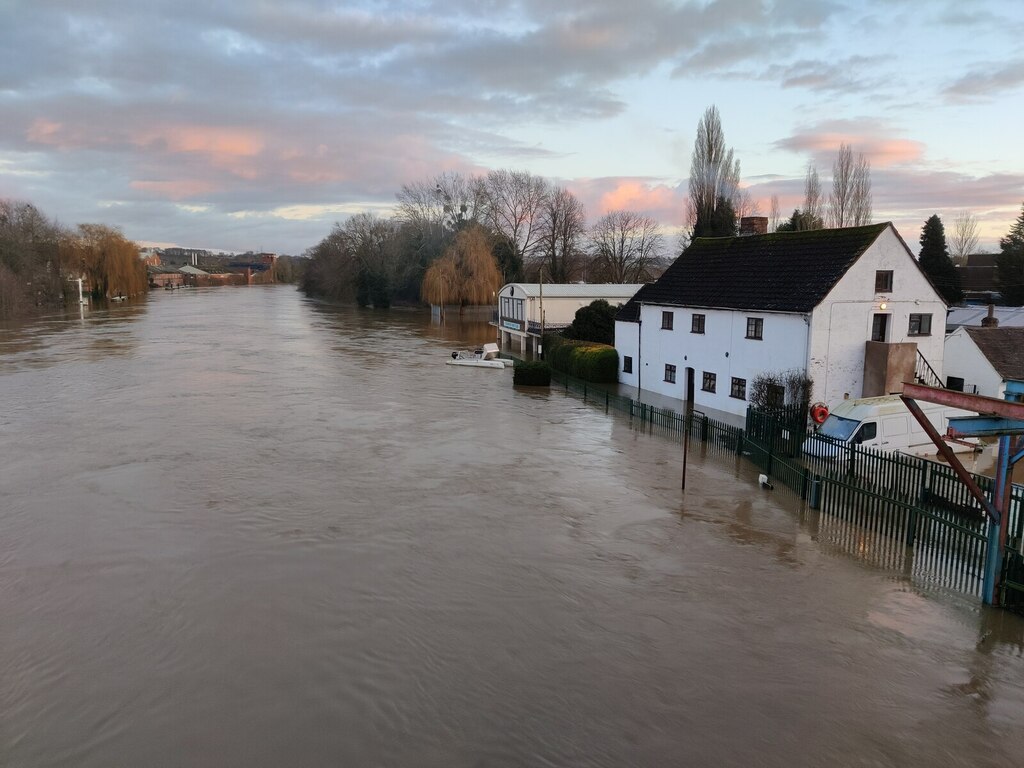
x=1002, y=347
x=1008, y=317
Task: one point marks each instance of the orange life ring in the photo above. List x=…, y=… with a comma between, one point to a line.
x=819, y=412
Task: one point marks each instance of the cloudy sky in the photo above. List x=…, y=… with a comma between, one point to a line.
x=257, y=124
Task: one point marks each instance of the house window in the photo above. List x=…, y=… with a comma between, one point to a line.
x=627, y=364
x=920, y=325
x=883, y=281
x=738, y=389
x=776, y=396
x=955, y=383
x=666, y=321
x=755, y=327
x=710, y=381
x=670, y=373
x=698, y=324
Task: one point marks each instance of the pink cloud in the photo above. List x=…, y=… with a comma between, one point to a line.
x=664, y=203
x=884, y=151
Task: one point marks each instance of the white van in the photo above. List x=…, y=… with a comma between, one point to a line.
x=884, y=423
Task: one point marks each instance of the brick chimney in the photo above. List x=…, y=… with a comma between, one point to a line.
x=753, y=225
x=991, y=321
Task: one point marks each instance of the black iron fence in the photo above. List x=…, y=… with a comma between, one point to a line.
x=891, y=509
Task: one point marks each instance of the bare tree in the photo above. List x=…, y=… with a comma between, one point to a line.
x=850, y=201
x=745, y=205
x=515, y=202
x=774, y=214
x=563, y=225
x=443, y=203
x=626, y=247
x=714, y=180
x=964, y=238
x=814, y=200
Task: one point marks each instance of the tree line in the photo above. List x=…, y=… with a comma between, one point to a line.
x=455, y=239
x=39, y=258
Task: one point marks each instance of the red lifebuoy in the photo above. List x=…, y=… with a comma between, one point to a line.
x=819, y=412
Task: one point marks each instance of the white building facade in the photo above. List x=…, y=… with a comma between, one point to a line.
x=837, y=306
x=524, y=308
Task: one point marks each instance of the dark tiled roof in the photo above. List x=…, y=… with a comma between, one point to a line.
x=1004, y=348
x=780, y=272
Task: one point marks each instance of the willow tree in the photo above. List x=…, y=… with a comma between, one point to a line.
x=106, y=259
x=466, y=274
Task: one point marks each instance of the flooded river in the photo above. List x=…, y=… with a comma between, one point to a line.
x=238, y=528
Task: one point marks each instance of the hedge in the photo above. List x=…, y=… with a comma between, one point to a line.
x=532, y=374
x=587, y=360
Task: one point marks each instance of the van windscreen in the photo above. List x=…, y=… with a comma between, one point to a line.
x=838, y=427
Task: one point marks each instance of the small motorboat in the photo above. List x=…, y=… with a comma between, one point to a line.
x=483, y=357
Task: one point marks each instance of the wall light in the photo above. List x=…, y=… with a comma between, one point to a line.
x=883, y=305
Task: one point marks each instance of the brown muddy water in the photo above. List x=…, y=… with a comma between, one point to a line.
x=239, y=528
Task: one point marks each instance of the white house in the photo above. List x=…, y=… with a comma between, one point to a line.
x=850, y=308
x=524, y=307
x=982, y=360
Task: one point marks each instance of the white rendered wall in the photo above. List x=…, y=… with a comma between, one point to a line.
x=841, y=323
x=722, y=349
x=964, y=360
x=626, y=344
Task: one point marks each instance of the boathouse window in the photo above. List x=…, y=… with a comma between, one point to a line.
x=738, y=389
x=698, y=324
x=512, y=308
x=755, y=328
x=710, y=381
x=627, y=364
x=670, y=373
x=920, y=325
x=666, y=321
x=883, y=281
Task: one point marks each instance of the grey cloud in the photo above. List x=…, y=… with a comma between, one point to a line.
x=989, y=81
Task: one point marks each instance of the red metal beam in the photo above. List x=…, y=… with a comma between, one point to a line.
x=977, y=403
x=947, y=453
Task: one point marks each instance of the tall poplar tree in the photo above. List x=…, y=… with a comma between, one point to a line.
x=936, y=263
x=1010, y=264
x=714, y=180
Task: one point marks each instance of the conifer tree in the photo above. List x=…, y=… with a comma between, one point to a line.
x=1010, y=264
x=936, y=263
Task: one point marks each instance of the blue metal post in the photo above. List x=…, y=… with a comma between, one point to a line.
x=994, y=556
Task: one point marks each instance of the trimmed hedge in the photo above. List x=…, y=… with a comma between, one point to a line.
x=532, y=374
x=587, y=360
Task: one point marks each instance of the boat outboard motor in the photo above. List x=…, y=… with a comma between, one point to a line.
x=455, y=355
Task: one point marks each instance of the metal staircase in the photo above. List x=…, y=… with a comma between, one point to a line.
x=925, y=374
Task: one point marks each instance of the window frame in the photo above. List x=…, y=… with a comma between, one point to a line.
x=667, y=320
x=921, y=331
x=883, y=280
x=627, y=363
x=758, y=328
x=740, y=387
x=698, y=321
x=709, y=378
x=670, y=370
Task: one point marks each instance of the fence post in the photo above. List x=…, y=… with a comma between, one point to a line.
x=926, y=476
x=814, y=502
x=606, y=401
x=803, y=484
x=911, y=526
x=739, y=443
x=704, y=429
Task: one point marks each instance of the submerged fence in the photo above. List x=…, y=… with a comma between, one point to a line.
x=890, y=509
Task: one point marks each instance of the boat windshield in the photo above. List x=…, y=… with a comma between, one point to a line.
x=838, y=427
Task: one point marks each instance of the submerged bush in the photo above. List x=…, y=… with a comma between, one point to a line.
x=532, y=374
